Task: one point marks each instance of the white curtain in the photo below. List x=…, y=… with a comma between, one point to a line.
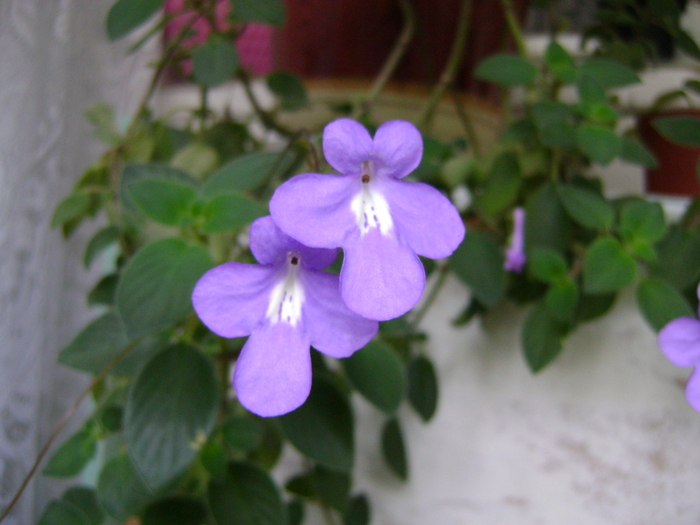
x=54, y=61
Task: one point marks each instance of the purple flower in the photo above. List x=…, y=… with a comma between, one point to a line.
x=286, y=303
x=515, y=254
x=680, y=341
x=381, y=221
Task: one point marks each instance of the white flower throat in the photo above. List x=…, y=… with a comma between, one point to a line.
x=287, y=296
x=369, y=206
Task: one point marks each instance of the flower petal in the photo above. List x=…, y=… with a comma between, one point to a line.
x=680, y=341
x=692, y=389
x=346, y=144
x=397, y=149
x=426, y=220
x=232, y=298
x=333, y=328
x=273, y=373
x=315, y=209
x=270, y=246
x=381, y=278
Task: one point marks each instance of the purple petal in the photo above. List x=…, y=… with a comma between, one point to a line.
x=515, y=254
x=270, y=246
x=346, y=144
x=692, y=389
x=397, y=149
x=381, y=278
x=426, y=220
x=232, y=298
x=333, y=328
x=315, y=209
x=273, y=373
x=680, y=341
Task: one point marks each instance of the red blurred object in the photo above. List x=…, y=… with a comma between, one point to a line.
x=676, y=173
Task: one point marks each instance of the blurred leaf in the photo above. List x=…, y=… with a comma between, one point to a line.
x=175, y=510
x=288, y=89
x=322, y=428
x=96, y=345
x=295, y=512
x=134, y=172
x=377, y=373
x=196, y=158
x=661, y=303
x=246, y=496
x=155, y=288
x=243, y=432
x=243, y=173
x=562, y=300
x=547, y=265
x=553, y=122
x=607, y=268
x=214, y=62
x=270, y=449
x=231, y=212
x=167, y=202
x=599, y=143
x=681, y=130
x=104, y=291
x=547, y=224
x=393, y=448
x=126, y=15
x=120, y=489
x=71, y=457
x=593, y=306
x=586, y=207
x=60, y=512
x=560, y=63
x=302, y=485
x=609, y=73
x=102, y=117
x=678, y=259
x=213, y=457
x=637, y=153
x=102, y=240
x=73, y=207
x=422, y=387
x=506, y=70
x=270, y=12
x=333, y=488
x=170, y=410
x=85, y=499
x=502, y=187
x=542, y=337
x=478, y=262
x=358, y=512
x=642, y=220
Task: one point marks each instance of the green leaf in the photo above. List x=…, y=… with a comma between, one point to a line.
x=246, y=496
x=71, y=457
x=263, y=11
x=175, y=510
x=560, y=63
x=553, y=123
x=214, y=62
x=422, y=387
x=562, y=300
x=295, y=512
x=609, y=73
x=333, y=488
x=681, y=130
x=632, y=150
x=102, y=240
x=506, y=70
x=126, y=15
x=593, y=306
x=102, y=117
x=288, y=89
x=642, y=220
x=85, y=499
x=593, y=104
x=661, y=303
x=547, y=265
x=96, y=345
x=167, y=202
x=104, y=291
x=243, y=432
x=678, y=258
x=243, y=173
x=322, y=428
x=170, y=410
x=607, y=268
x=155, y=289
x=358, y=512
x=586, y=207
x=478, y=262
x=196, y=158
x=134, y=172
x=59, y=512
x=393, y=448
x=542, y=337
x=120, y=489
x=70, y=209
x=547, y=224
x=599, y=143
x=231, y=212
x=377, y=373
x=502, y=187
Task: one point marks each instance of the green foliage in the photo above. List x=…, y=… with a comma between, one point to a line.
x=502, y=186
x=422, y=387
x=97, y=344
x=126, y=15
x=214, y=62
x=243, y=433
x=660, y=302
x=599, y=143
x=270, y=12
x=120, y=491
x=393, y=448
x=175, y=510
x=243, y=173
x=102, y=240
x=681, y=130
x=632, y=150
x=547, y=265
x=542, y=337
x=230, y=212
x=358, y=512
x=607, y=267
x=289, y=89
x=85, y=499
x=560, y=63
x=547, y=224
x=72, y=456
x=586, y=207
x=478, y=261
x=163, y=201
x=609, y=73
x=506, y=70
x=60, y=512
x=554, y=123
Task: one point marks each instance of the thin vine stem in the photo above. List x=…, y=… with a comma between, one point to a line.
x=453, y=63
x=467, y=123
x=443, y=272
x=267, y=119
x=514, y=27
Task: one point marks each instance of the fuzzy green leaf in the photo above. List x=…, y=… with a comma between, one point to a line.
x=506, y=70
x=607, y=267
x=661, y=303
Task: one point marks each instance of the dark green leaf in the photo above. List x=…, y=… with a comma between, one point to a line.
x=642, y=220
x=599, y=143
x=163, y=201
x=358, y=511
x=111, y=418
x=322, y=428
x=289, y=89
x=213, y=457
x=263, y=11
x=560, y=63
x=547, y=265
x=120, y=489
x=270, y=449
x=72, y=456
x=637, y=153
x=196, y=158
x=149, y=171
x=126, y=15
x=478, y=261
x=607, y=268
x=243, y=432
x=422, y=387
x=104, y=291
x=562, y=300
x=333, y=488
x=60, y=512
x=243, y=173
x=678, y=259
x=393, y=449
x=170, y=410
x=547, y=224
x=71, y=208
x=295, y=512
x=506, y=70
x=586, y=207
x=214, y=62
x=85, y=499
x=100, y=241
x=502, y=187
x=661, y=303
x=377, y=373
x=593, y=306
x=542, y=337
x=247, y=496
x=681, y=130
x=553, y=123
x=155, y=289
x=302, y=485
x=96, y=345
x=175, y=510
x=231, y=212
x=102, y=117
x=609, y=73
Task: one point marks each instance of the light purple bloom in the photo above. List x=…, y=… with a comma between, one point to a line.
x=286, y=304
x=515, y=254
x=680, y=341
x=381, y=221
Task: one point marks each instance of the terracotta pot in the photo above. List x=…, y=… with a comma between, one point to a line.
x=676, y=173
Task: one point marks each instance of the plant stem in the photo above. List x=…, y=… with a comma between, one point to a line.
x=434, y=291
x=466, y=123
x=267, y=119
x=453, y=63
x=99, y=377
x=514, y=27
x=392, y=61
